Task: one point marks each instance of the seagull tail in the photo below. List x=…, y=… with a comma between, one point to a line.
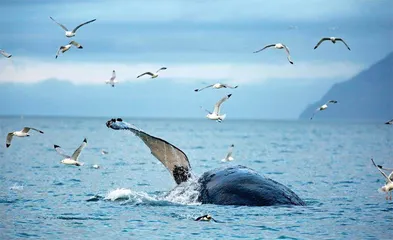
x=222, y=117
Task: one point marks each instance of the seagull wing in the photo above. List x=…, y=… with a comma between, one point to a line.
x=229, y=86
x=78, y=151
x=60, y=151
x=199, y=218
x=163, y=68
x=331, y=101
x=76, y=44
x=9, y=139
x=61, y=25
x=27, y=129
x=218, y=104
x=197, y=90
x=288, y=54
x=113, y=75
x=146, y=73
x=320, y=41
x=379, y=169
x=230, y=151
x=82, y=25
x=389, y=122
x=5, y=54
x=267, y=46
x=58, y=51
x=340, y=39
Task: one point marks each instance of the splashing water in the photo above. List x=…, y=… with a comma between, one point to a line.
x=184, y=194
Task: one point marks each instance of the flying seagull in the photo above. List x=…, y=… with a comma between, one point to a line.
x=229, y=157
x=333, y=39
x=278, y=46
x=323, y=107
x=23, y=133
x=205, y=218
x=153, y=75
x=216, y=86
x=65, y=48
x=71, y=160
x=73, y=32
x=389, y=122
x=215, y=115
x=388, y=187
x=5, y=54
x=112, y=80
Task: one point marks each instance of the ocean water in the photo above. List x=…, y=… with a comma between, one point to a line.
x=326, y=163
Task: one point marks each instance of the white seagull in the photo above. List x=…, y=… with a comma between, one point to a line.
x=323, y=107
x=333, y=39
x=389, y=122
x=71, y=160
x=23, y=133
x=388, y=187
x=216, y=86
x=229, y=155
x=278, y=46
x=71, y=33
x=215, y=115
x=5, y=54
x=112, y=80
x=65, y=48
x=153, y=75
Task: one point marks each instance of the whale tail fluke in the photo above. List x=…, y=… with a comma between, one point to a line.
x=174, y=159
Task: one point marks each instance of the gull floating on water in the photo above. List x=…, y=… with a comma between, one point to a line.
x=71, y=160
x=388, y=187
x=103, y=152
x=112, y=80
x=65, y=48
x=323, y=107
x=153, y=75
x=389, y=122
x=215, y=115
x=333, y=39
x=229, y=155
x=96, y=166
x=5, y=54
x=216, y=86
x=23, y=133
x=71, y=33
x=278, y=46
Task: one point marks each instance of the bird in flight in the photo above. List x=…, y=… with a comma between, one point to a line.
x=333, y=39
x=22, y=133
x=278, y=46
x=153, y=75
x=72, y=33
x=323, y=107
x=216, y=86
x=65, y=48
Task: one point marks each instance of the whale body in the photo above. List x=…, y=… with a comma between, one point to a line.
x=235, y=185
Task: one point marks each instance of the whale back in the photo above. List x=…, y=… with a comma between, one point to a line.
x=240, y=185
x=174, y=159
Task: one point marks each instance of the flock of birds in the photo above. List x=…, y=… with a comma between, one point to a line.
x=215, y=115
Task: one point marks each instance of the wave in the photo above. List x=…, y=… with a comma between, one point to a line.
x=184, y=194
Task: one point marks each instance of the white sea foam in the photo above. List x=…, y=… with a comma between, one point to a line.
x=16, y=187
x=185, y=193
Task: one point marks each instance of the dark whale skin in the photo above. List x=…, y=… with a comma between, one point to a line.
x=239, y=185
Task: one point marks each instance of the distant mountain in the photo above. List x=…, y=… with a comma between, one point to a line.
x=366, y=96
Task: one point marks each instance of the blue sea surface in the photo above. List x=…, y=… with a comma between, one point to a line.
x=326, y=163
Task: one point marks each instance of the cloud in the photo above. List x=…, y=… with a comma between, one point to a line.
x=29, y=70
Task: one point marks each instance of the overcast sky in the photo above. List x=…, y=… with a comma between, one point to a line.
x=199, y=41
